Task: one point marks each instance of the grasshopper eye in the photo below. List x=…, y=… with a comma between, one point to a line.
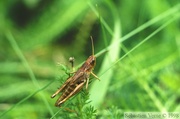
x=93, y=62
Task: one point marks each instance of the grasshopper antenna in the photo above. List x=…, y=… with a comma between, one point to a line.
x=92, y=45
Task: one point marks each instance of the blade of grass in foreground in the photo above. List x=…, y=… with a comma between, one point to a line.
x=99, y=89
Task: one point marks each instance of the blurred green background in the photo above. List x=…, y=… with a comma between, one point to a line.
x=137, y=44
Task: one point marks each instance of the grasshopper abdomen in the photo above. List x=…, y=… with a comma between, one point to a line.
x=71, y=90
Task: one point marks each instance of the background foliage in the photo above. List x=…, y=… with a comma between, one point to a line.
x=139, y=71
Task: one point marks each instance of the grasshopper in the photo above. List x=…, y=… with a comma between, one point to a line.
x=76, y=82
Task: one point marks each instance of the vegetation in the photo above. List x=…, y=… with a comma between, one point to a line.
x=137, y=44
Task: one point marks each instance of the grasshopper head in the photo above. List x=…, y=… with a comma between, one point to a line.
x=90, y=63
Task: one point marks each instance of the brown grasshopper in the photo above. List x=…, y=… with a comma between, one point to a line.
x=76, y=82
